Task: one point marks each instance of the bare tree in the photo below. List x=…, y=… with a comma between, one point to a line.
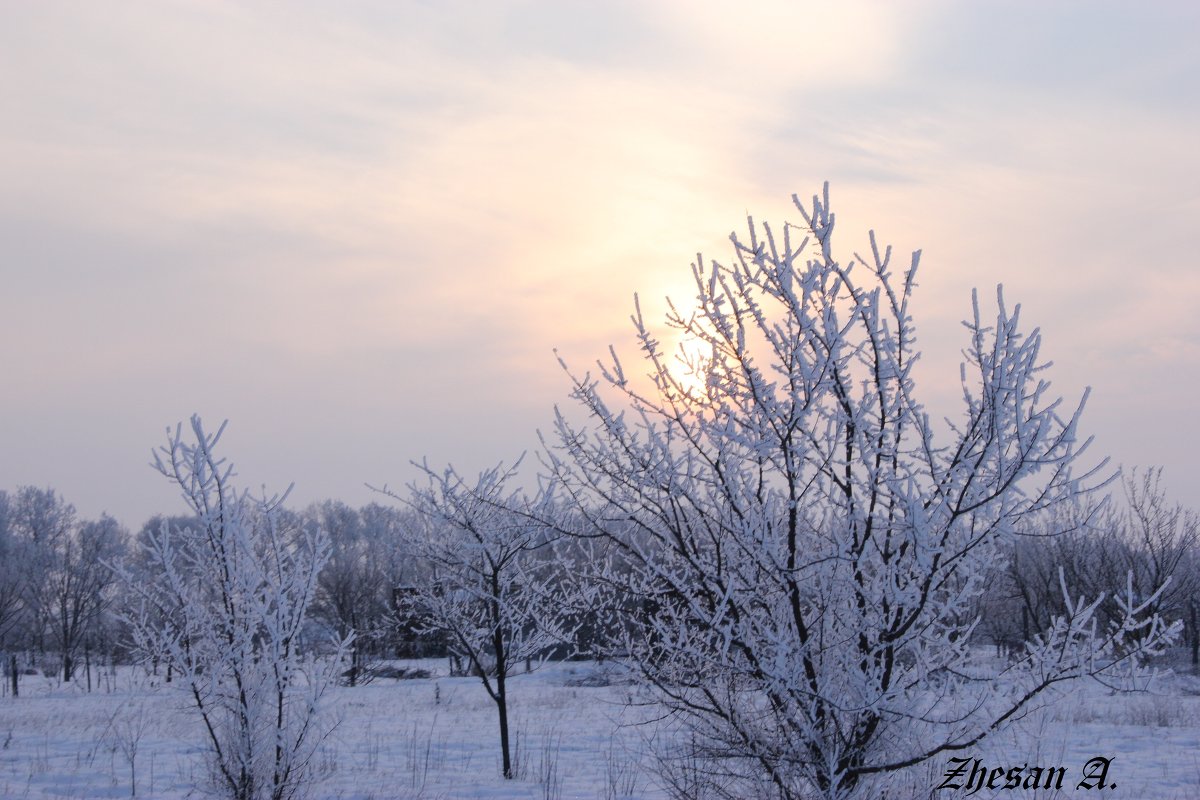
x=12, y=592
x=10, y=587
x=1161, y=538
x=41, y=521
x=226, y=609
x=351, y=587
x=807, y=545
x=1024, y=592
x=387, y=530
x=78, y=585
x=483, y=585
x=40, y=515
x=1141, y=541
x=126, y=728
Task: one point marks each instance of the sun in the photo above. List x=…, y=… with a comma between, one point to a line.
x=687, y=354
x=689, y=364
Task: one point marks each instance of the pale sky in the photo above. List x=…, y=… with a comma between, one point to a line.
x=357, y=230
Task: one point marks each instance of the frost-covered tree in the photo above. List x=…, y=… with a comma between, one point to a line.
x=804, y=544
x=482, y=584
x=142, y=564
x=224, y=606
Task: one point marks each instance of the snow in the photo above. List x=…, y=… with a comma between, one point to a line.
x=425, y=738
x=436, y=739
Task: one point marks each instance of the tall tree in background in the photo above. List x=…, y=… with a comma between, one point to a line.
x=1161, y=538
x=12, y=591
x=55, y=583
x=42, y=523
x=351, y=589
x=807, y=545
x=78, y=584
x=1141, y=542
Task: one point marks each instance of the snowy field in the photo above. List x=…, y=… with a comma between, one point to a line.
x=436, y=738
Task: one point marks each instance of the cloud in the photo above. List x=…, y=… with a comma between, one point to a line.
x=371, y=222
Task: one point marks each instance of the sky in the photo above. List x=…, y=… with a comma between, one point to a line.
x=359, y=230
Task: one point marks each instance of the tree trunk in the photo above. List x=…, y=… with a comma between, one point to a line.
x=68, y=668
x=1195, y=637
x=12, y=666
x=501, y=683
x=502, y=707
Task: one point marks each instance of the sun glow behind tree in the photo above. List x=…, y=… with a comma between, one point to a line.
x=803, y=555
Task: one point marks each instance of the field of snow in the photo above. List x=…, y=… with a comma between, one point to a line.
x=436, y=739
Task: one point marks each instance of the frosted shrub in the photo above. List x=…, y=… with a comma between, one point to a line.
x=222, y=602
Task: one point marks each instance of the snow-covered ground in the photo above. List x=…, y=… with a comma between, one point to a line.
x=437, y=738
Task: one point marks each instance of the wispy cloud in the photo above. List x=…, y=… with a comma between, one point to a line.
x=360, y=229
